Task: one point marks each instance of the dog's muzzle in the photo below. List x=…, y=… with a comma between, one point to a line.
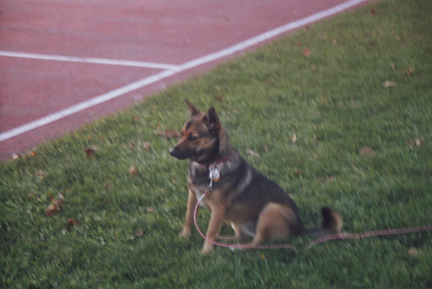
x=175, y=153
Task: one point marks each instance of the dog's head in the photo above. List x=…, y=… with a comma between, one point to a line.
x=199, y=136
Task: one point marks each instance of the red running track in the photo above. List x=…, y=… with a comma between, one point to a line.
x=68, y=62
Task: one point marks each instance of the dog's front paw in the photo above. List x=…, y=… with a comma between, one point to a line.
x=184, y=233
x=208, y=247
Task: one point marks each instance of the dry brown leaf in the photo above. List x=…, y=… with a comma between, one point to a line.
x=266, y=149
x=146, y=145
x=219, y=97
x=139, y=233
x=413, y=252
x=322, y=37
x=40, y=174
x=294, y=138
x=15, y=156
x=410, y=71
x=418, y=142
x=252, y=153
x=71, y=222
x=55, y=206
x=51, y=210
x=366, y=151
x=389, y=83
x=334, y=41
x=89, y=151
x=150, y=209
x=59, y=201
x=306, y=52
x=31, y=154
x=133, y=171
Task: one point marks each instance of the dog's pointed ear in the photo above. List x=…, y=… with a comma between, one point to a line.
x=212, y=120
x=193, y=110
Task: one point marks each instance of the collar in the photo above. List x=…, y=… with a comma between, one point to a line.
x=219, y=161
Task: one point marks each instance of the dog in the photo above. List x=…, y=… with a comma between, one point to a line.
x=254, y=205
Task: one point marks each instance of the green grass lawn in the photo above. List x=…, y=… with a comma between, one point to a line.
x=355, y=90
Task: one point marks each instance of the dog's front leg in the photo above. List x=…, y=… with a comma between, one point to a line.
x=191, y=203
x=216, y=221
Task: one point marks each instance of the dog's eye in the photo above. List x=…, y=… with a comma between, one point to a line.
x=192, y=138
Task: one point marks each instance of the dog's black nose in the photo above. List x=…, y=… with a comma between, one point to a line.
x=172, y=152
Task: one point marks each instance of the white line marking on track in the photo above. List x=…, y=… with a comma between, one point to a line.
x=188, y=65
x=90, y=60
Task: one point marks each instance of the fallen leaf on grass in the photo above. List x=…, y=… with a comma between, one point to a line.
x=322, y=37
x=89, y=151
x=389, y=83
x=169, y=133
x=146, y=145
x=306, y=52
x=418, y=142
x=15, y=156
x=133, y=171
x=410, y=71
x=55, y=206
x=150, y=209
x=294, y=138
x=31, y=154
x=219, y=97
x=139, y=233
x=266, y=149
x=71, y=222
x=252, y=153
x=51, y=210
x=40, y=174
x=413, y=252
x=367, y=151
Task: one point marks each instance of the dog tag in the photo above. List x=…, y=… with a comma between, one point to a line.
x=214, y=173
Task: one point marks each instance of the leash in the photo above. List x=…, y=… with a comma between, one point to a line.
x=214, y=174
x=385, y=232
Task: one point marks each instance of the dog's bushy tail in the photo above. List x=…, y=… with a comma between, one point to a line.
x=332, y=224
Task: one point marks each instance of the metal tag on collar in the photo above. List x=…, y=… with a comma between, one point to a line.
x=214, y=173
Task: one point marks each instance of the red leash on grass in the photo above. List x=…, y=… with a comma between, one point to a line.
x=341, y=236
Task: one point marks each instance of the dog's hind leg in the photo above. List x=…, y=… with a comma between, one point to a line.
x=275, y=221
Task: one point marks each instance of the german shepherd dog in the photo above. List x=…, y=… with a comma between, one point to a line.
x=254, y=205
